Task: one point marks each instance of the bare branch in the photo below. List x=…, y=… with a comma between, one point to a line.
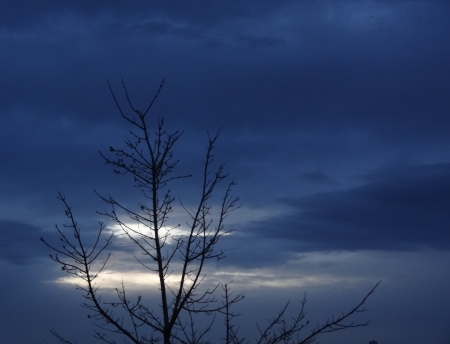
x=147, y=157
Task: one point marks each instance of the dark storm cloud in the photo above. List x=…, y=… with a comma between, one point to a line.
x=19, y=242
x=24, y=11
x=310, y=96
x=401, y=209
x=291, y=84
x=317, y=177
x=242, y=72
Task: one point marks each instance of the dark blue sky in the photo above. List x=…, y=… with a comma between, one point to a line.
x=335, y=124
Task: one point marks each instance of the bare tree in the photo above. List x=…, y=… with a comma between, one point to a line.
x=231, y=331
x=280, y=330
x=148, y=158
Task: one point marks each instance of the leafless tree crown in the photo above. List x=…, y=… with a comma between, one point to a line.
x=148, y=157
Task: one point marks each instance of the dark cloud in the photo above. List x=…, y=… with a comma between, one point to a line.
x=314, y=86
x=394, y=209
x=317, y=177
x=310, y=96
x=318, y=80
x=24, y=12
x=20, y=242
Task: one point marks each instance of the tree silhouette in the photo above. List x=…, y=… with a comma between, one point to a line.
x=148, y=157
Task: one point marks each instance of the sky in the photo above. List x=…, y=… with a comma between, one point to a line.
x=334, y=122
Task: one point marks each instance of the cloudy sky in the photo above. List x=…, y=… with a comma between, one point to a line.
x=335, y=125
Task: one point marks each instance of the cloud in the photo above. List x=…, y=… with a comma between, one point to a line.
x=400, y=208
x=317, y=177
x=310, y=94
x=19, y=242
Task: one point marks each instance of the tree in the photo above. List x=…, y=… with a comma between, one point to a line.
x=149, y=159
